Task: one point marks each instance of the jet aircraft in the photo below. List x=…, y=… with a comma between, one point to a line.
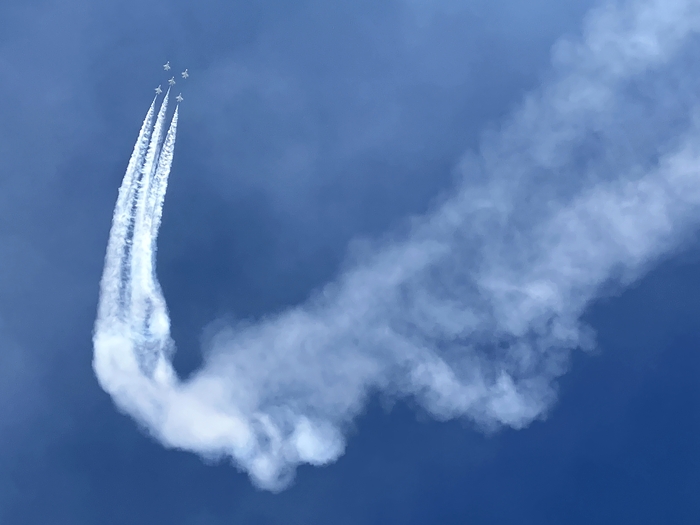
x=166, y=66
x=185, y=74
x=158, y=90
x=172, y=81
x=179, y=98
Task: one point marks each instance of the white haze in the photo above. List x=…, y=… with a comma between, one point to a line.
x=474, y=312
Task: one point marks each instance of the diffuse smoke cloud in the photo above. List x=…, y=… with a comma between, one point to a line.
x=475, y=311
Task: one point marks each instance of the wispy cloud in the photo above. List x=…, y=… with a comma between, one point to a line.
x=475, y=310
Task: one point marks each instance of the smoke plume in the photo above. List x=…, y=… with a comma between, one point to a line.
x=475, y=311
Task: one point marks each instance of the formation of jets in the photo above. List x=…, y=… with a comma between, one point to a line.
x=171, y=82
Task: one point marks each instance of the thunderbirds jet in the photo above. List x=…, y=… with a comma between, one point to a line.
x=172, y=81
x=179, y=98
x=166, y=66
x=185, y=74
x=158, y=90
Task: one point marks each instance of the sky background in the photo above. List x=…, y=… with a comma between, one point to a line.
x=305, y=125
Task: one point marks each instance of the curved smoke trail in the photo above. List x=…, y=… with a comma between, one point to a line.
x=473, y=313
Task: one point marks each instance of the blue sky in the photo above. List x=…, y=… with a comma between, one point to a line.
x=315, y=136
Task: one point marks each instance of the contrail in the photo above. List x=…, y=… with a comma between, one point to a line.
x=148, y=311
x=473, y=313
x=132, y=334
x=112, y=303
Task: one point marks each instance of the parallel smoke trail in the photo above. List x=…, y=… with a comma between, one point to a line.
x=160, y=179
x=112, y=280
x=148, y=311
x=474, y=313
x=140, y=324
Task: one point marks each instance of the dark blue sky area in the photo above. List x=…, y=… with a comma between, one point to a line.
x=305, y=125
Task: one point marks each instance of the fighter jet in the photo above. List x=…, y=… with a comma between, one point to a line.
x=179, y=98
x=185, y=74
x=158, y=90
x=166, y=66
x=172, y=81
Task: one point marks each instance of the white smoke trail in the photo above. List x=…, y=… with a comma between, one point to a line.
x=112, y=304
x=475, y=311
x=160, y=179
x=132, y=342
x=148, y=312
